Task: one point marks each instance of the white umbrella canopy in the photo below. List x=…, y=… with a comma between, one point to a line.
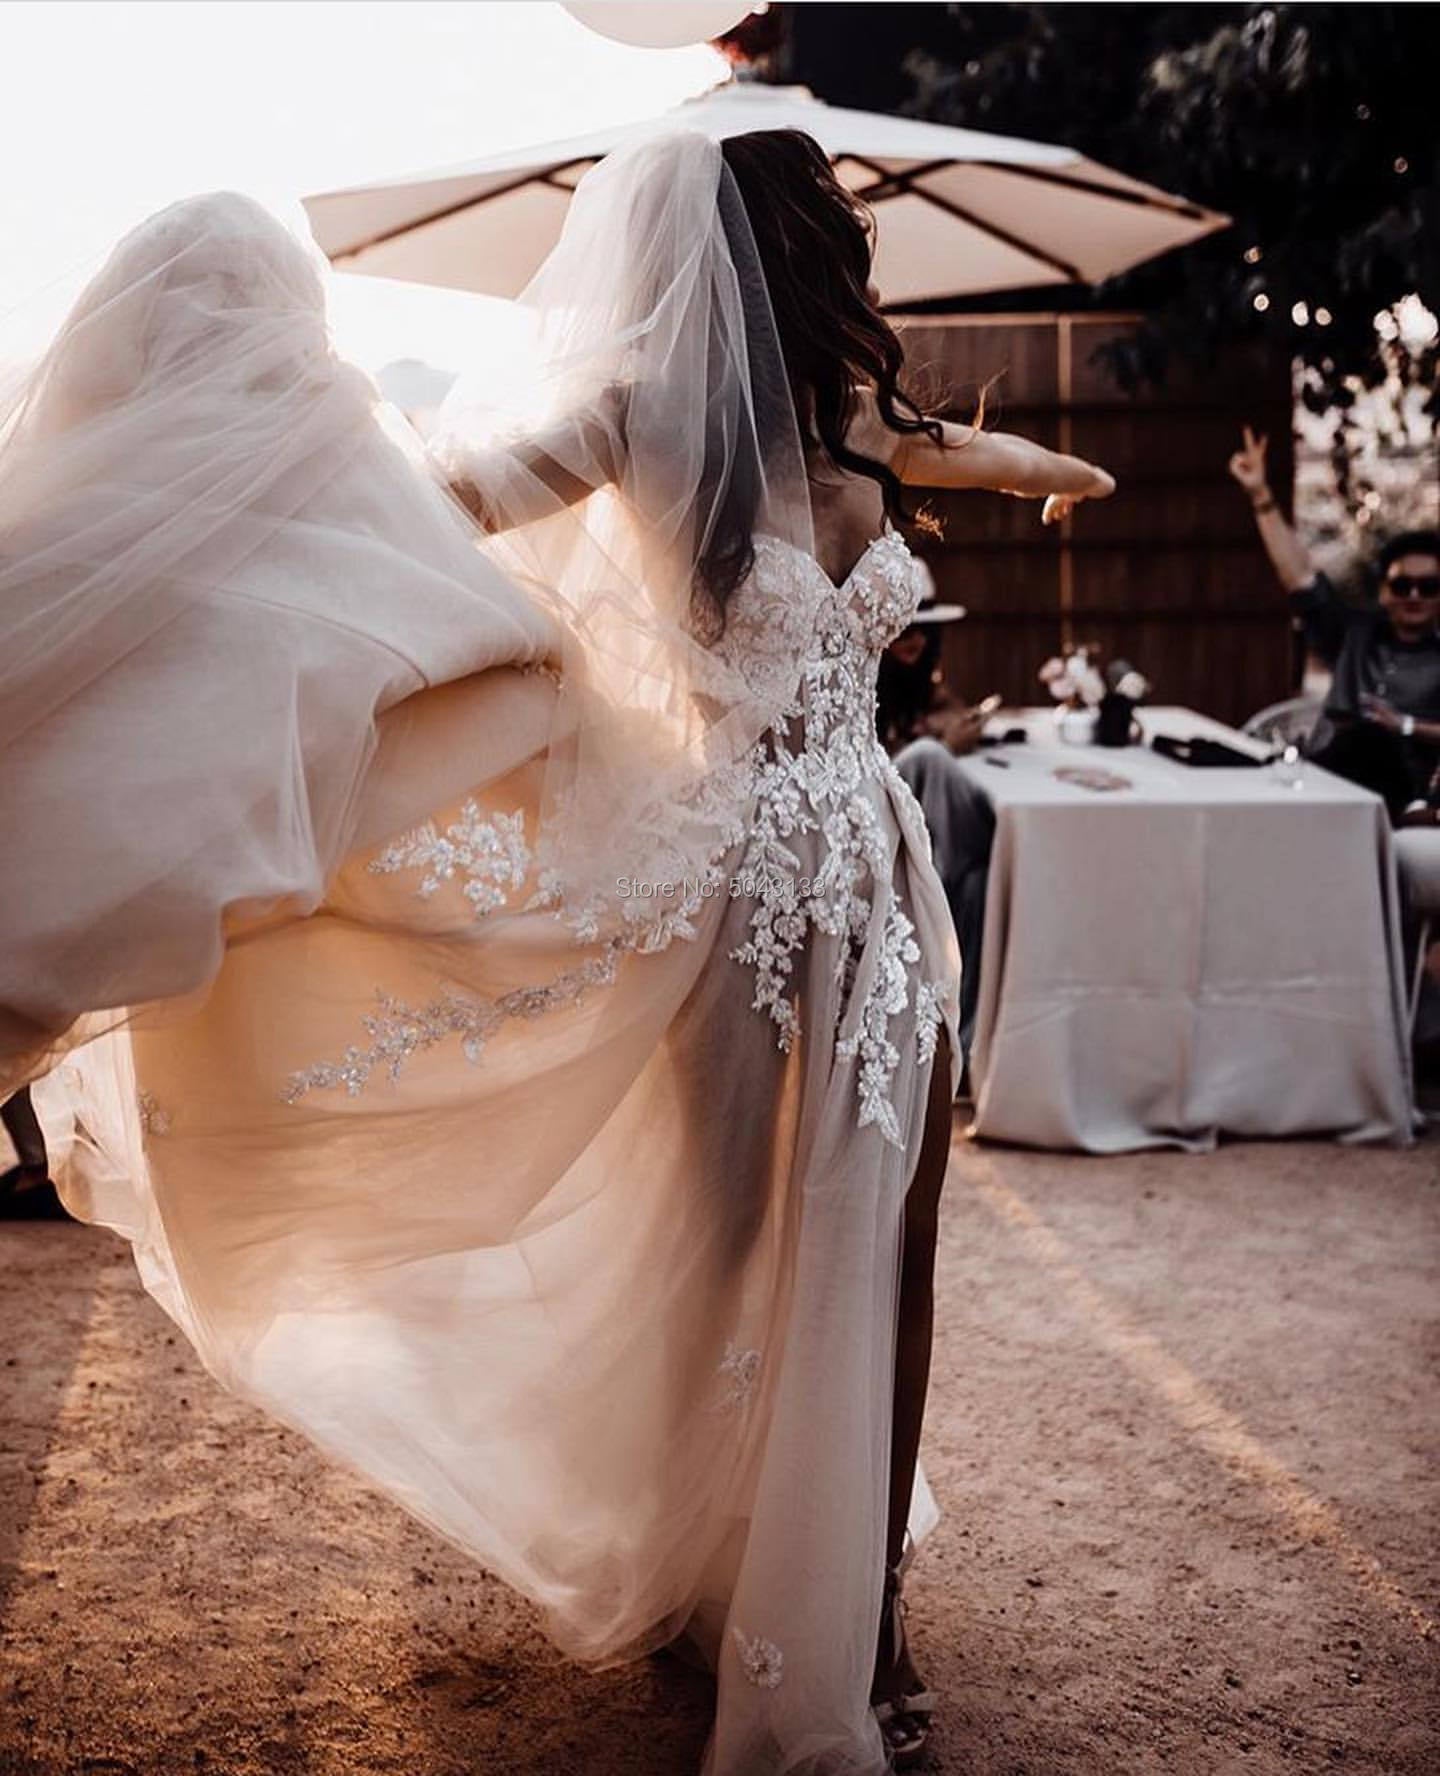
x=959, y=212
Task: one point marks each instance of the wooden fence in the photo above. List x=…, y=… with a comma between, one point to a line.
x=1168, y=574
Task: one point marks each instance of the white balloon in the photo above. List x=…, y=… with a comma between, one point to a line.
x=658, y=24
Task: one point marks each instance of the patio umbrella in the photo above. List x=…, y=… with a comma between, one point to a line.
x=959, y=212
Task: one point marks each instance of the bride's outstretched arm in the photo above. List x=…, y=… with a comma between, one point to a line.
x=965, y=457
x=521, y=480
x=507, y=485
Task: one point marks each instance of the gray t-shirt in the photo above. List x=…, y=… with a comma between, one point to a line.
x=1369, y=660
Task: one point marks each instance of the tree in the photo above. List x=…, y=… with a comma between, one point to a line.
x=1313, y=126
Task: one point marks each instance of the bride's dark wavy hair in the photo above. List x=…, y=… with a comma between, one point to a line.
x=815, y=243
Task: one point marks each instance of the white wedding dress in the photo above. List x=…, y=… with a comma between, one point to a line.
x=562, y=1200
x=599, y=1277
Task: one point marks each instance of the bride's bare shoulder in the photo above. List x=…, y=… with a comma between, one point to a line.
x=867, y=431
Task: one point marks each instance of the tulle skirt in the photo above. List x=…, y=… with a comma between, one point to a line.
x=537, y=1225
x=600, y=1284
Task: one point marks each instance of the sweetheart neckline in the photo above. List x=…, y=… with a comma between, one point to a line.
x=889, y=534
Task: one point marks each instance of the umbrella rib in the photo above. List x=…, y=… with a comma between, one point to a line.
x=886, y=185
x=893, y=184
x=547, y=176
x=1171, y=206
x=1028, y=248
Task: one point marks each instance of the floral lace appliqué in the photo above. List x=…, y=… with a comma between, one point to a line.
x=814, y=787
x=398, y=1031
x=761, y=1660
x=823, y=772
x=489, y=853
x=870, y=1042
x=929, y=1015
x=740, y=1373
x=154, y=1118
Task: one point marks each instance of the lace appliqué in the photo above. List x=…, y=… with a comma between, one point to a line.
x=154, y=1118
x=809, y=650
x=490, y=854
x=817, y=773
x=399, y=1031
x=761, y=1660
x=870, y=1043
x=739, y=1370
x=929, y=1015
x=910, y=814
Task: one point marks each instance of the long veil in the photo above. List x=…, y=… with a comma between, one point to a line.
x=451, y=1130
x=662, y=391
x=205, y=512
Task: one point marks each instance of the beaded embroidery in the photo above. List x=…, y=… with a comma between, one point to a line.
x=154, y=1119
x=740, y=1371
x=823, y=771
x=761, y=1660
x=929, y=1015
x=490, y=854
x=820, y=774
x=398, y=1031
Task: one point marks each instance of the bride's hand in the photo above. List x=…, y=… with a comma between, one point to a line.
x=1059, y=506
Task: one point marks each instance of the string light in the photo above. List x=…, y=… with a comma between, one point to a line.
x=1262, y=302
x=1300, y=314
x=1418, y=327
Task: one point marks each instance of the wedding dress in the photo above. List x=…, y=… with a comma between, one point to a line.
x=547, y=1163
x=220, y=564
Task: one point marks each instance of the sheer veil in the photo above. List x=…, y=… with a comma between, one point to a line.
x=206, y=514
x=220, y=560
x=661, y=409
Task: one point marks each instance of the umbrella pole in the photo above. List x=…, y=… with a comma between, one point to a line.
x=1066, y=388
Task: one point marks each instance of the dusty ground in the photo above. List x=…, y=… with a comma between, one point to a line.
x=1184, y=1433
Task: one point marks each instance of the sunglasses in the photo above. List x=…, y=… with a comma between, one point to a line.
x=1413, y=586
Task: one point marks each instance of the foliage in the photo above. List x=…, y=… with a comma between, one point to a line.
x=1313, y=126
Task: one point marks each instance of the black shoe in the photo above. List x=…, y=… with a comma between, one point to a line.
x=26, y=1194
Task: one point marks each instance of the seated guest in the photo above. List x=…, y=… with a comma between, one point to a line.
x=1381, y=722
x=924, y=725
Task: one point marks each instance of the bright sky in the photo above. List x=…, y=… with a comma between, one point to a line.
x=113, y=108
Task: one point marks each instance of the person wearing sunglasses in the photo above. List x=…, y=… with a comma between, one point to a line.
x=1380, y=725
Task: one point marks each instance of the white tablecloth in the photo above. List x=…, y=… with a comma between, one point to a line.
x=1203, y=952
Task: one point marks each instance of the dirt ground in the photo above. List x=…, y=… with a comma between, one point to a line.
x=1184, y=1434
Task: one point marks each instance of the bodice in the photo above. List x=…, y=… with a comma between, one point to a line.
x=819, y=856
x=789, y=610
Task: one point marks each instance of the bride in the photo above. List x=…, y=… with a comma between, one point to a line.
x=529, y=1006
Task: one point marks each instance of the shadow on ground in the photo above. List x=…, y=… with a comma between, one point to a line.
x=1184, y=1436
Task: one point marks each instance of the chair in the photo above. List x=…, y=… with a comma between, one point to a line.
x=1284, y=724
x=1417, y=855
